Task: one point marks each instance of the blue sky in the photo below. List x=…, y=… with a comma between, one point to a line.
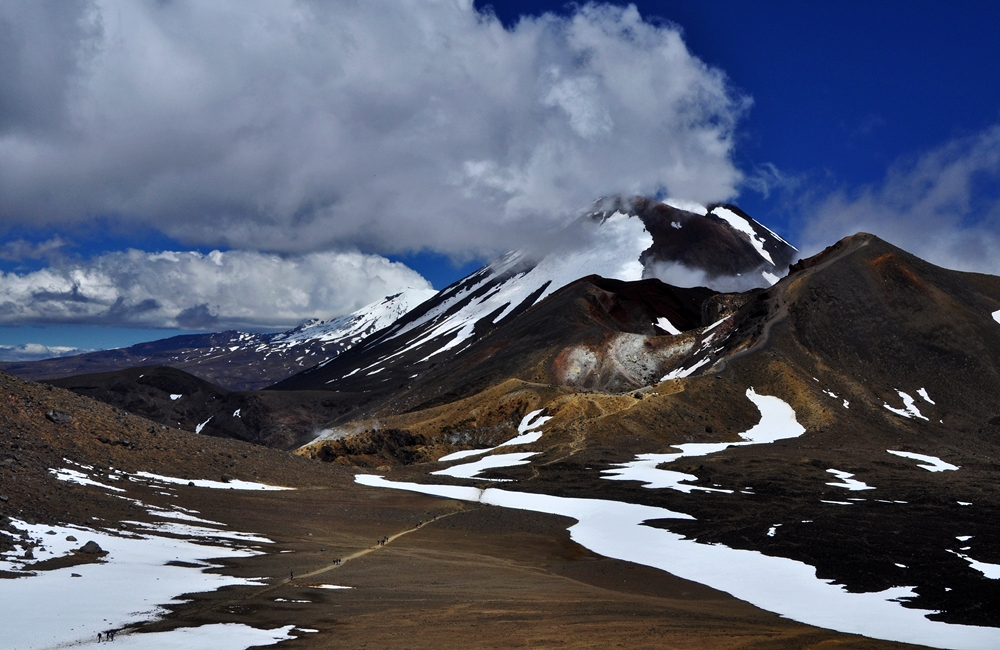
x=834, y=116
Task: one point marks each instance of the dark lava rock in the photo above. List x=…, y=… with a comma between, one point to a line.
x=91, y=547
x=59, y=417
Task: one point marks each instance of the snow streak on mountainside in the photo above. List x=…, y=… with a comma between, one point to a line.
x=347, y=331
x=617, y=243
x=239, y=360
x=619, y=238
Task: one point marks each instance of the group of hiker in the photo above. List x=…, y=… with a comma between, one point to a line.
x=106, y=636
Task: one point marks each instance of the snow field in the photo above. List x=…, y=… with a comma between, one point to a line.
x=52, y=608
x=615, y=529
x=221, y=636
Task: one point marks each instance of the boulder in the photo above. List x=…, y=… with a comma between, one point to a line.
x=91, y=547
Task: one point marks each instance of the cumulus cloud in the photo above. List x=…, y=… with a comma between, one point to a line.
x=294, y=125
x=943, y=206
x=220, y=290
x=36, y=351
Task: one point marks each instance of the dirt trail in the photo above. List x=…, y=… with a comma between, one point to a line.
x=347, y=558
x=363, y=552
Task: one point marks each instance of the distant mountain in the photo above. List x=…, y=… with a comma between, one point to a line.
x=624, y=239
x=180, y=400
x=237, y=360
x=36, y=351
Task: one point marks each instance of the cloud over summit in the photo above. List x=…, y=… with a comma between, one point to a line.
x=297, y=126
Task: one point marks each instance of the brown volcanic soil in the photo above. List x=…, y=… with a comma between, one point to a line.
x=283, y=420
x=468, y=577
x=856, y=323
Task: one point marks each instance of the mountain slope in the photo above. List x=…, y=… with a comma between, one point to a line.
x=884, y=370
x=177, y=399
x=237, y=360
x=620, y=239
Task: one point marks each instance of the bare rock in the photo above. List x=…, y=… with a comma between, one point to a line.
x=59, y=417
x=92, y=547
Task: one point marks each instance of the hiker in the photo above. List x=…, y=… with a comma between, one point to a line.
x=291, y=575
x=99, y=637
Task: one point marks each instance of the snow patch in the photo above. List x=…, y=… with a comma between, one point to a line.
x=933, y=463
x=53, y=608
x=205, y=483
x=532, y=420
x=909, y=409
x=686, y=206
x=743, y=226
x=664, y=324
x=472, y=470
x=777, y=422
x=847, y=482
x=73, y=476
x=991, y=571
x=615, y=529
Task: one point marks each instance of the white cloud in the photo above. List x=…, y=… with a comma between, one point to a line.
x=235, y=289
x=20, y=249
x=36, y=351
x=292, y=125
x=679, y=275
x=944, y=206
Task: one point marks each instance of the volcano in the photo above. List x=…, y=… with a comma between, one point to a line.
x=565, y=446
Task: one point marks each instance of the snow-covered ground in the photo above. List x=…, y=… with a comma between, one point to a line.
x=615, y=529
x=220, y=636
x=71, y=605
x=133, y=581
x=777, y=422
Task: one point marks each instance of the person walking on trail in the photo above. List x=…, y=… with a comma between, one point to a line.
x=291, y=575
x=99, y=637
